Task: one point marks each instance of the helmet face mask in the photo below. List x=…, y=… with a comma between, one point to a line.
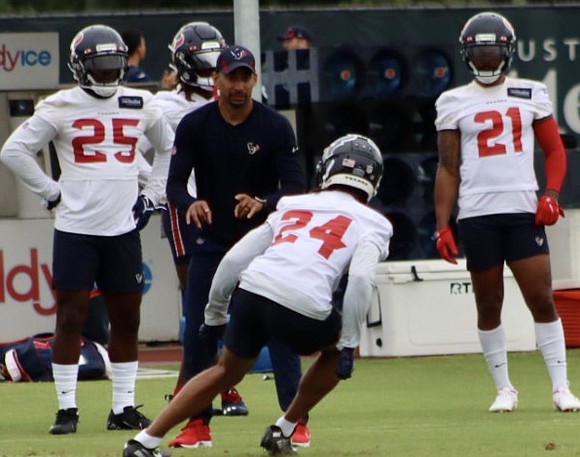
x=194, y=52
x=353, y=161
x=98, y=59
x=487, y=46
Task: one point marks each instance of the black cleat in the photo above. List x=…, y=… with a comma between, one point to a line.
x=129, y=419
x=65, y=423
x=136, y=449
x=232, y=404
x=276, y=443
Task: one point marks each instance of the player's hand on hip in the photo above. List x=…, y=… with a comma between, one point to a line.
x=51, y=204
x=548, y=211
x=345, y=364
x=198, y=213
x=142, y=211
x=446, y=246
x=247, y=206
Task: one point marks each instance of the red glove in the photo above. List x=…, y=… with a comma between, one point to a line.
x=446, y=246
x=548, y=211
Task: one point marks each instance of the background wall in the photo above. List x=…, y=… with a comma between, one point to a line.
x=340, y=95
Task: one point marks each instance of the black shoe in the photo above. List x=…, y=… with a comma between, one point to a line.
x=232, y=404
x=129, y=419
x=275, y=442
x=65, y=423
x=136, y=449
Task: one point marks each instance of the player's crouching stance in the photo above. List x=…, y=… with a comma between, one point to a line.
x=287, y=269
x=94, y=128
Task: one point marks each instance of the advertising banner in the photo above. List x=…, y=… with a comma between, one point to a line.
x=29, y=61
x=27, y=301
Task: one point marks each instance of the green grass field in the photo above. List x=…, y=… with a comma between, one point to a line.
x=407, y=407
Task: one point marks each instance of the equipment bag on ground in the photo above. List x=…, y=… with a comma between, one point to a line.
x=29, y=359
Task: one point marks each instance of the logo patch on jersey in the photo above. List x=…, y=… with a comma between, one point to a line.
x=253, y=148
x=519, y=92
x=131, y=102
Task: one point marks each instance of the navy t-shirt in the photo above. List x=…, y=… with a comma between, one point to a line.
x=258, y=157
x=136, y=75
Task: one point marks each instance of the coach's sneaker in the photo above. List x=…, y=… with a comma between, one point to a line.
x=136, y=449
x=195, y=434
x=301, y=435
x=129, y=419
x=65, y=423
x=232, y=403
x=565, y=401
x=275, y=442
x=505, y=402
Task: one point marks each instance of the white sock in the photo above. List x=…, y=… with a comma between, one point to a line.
x=286, y=426
x=494, y=345
x=550, y=340
x=124, y=377
x=65, y=382
x=150, y=442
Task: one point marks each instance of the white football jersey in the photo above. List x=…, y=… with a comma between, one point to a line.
x=315, y=236
x=174, y=105
x=95, y=141
x=497, y=143
x=298, y=256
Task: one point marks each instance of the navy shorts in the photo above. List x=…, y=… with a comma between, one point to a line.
x=114, y=263
x=255, y=320
x=491, y=240
x=178, y=233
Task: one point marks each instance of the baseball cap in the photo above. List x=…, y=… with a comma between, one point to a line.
x=295, y=31
x=235, y=57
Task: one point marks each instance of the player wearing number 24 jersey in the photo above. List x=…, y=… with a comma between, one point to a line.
x=486, y=133
x=277, y=283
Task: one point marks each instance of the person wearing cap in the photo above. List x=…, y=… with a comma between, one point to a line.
x=296, y=37
x=245, y=158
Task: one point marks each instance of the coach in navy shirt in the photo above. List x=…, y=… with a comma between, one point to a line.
x=245, y=158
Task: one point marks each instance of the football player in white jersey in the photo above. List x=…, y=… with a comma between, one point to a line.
x=486, y=132
x=287, y=270
x=194, y=51
x=98, y=209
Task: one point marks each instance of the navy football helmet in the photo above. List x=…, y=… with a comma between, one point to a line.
x=491, y=35
x=194, y=49
x=96, y=49
x=353, y=161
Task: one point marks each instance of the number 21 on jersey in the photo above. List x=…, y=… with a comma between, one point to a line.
x=485, y=139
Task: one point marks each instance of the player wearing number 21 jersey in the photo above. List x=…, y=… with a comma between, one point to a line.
x=497, y=143
x=486, y=135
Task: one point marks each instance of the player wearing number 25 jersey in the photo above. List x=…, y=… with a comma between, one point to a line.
x=95, y=143
x=486, y=133
x=94, y=128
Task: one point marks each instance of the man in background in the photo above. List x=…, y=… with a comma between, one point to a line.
x=137, y=50
x=296, y=37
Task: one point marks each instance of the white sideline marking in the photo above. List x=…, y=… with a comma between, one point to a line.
x=154, y=373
